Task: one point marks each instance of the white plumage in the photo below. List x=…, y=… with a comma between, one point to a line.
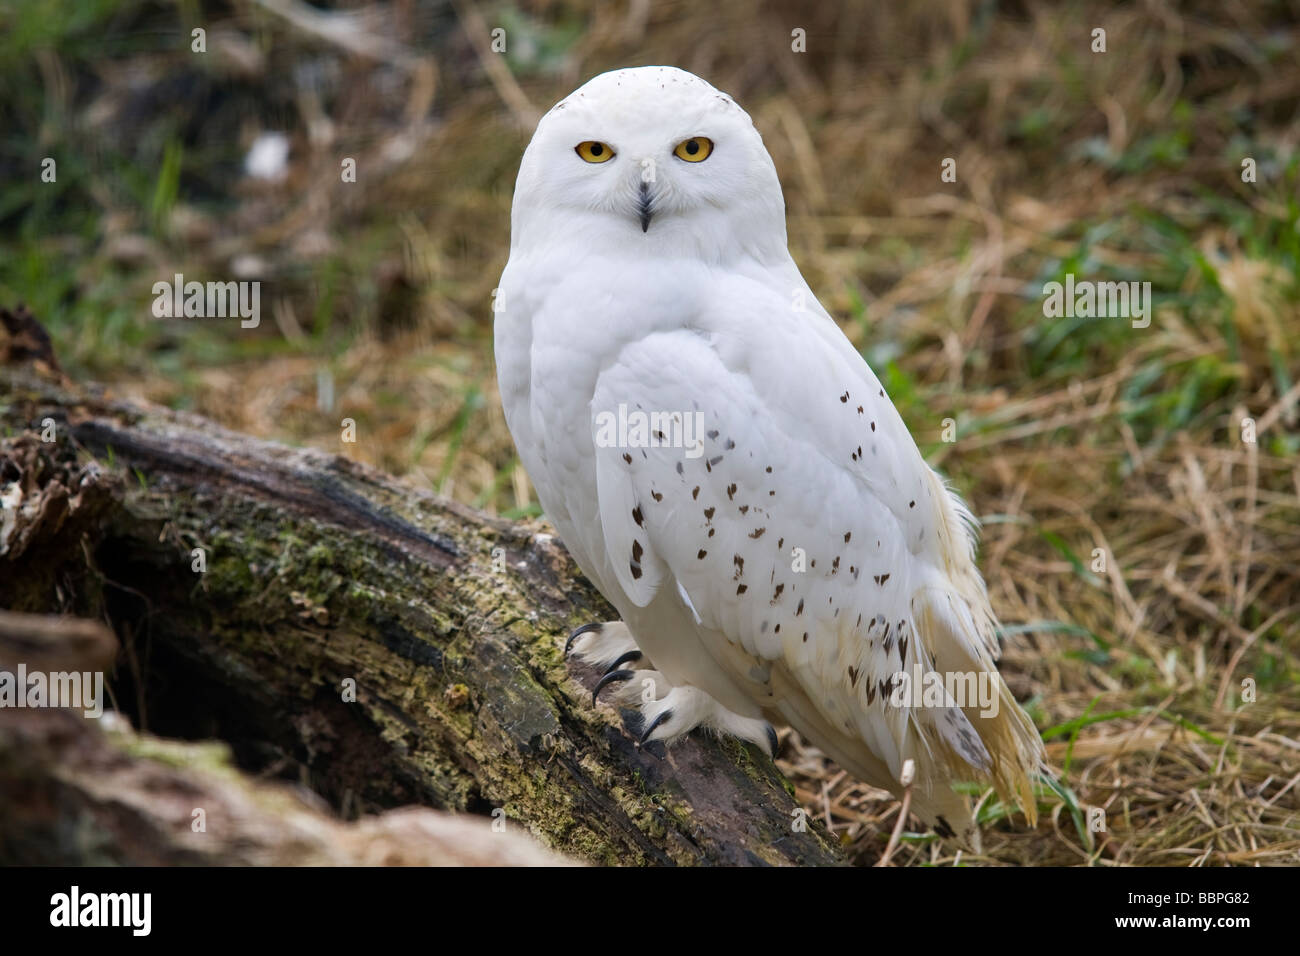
x=790, y=566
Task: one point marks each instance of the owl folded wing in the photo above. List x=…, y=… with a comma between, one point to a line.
x=777, y=487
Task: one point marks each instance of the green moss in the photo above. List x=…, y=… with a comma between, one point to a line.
x=212, y=755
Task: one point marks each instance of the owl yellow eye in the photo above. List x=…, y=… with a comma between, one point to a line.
x=594, y=152
x=694, y=150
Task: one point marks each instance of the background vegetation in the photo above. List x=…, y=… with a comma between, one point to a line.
x=1075, y=437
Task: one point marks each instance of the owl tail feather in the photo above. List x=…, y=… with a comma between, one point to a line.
x=938, y=806
x=991, y=736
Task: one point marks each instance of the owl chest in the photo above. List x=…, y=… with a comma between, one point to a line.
x=562, y=381
x=547, y=380
x=566, y=323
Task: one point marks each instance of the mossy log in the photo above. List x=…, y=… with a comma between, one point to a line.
x=377, y=643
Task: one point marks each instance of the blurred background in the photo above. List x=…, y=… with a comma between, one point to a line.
x=1144, y=558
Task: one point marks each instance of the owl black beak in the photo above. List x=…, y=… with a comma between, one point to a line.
x=645, y=206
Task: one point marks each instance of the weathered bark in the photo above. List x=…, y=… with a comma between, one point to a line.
x=320, y=571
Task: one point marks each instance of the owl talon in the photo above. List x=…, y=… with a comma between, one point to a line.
x=624, y=659
x=607, y=679
x=773, y=743
x=577, y=633
x=663, y=717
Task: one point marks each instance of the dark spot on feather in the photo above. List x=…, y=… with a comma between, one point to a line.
x=627, y=458
x=637, y=516
x=741, y=588
x=700, y=554
x=757, y=533
x=776, y=595
x=695, y=493
x=708, y=513
x=637, y=551
x=844, y=397
x=731, y=491
x=799, y=609
x=656, y=496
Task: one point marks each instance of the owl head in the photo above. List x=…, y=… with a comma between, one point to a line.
x=652, y=155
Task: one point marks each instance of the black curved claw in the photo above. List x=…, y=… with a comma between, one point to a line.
x=944, y=828
x=772, y=741
x=629, y=656
x=607, y=679
x=666, y=715
x=578, y=633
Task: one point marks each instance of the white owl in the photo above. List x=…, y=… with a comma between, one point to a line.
x=724, y=465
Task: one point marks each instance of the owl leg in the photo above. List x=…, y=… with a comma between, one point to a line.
x=683, y=708
x=602, y=645
x=667, y=711
x=609, y=646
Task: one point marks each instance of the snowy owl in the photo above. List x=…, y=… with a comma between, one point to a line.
x=726, y=468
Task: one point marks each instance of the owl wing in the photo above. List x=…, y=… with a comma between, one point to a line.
x=819, y=553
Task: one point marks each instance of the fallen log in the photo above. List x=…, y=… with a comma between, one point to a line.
x=372, y=642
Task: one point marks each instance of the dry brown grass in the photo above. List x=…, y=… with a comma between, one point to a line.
x=1062, y=449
